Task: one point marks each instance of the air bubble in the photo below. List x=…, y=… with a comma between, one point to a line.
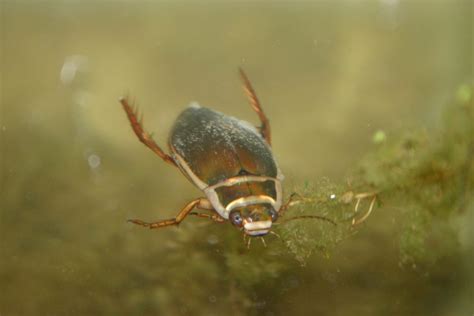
x=94, y=161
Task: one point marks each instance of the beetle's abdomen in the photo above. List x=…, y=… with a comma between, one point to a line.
x=216, y=147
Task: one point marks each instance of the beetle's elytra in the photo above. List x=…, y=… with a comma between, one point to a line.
x=229, y=160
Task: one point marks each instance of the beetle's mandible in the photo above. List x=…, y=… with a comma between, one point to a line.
x=229, y=160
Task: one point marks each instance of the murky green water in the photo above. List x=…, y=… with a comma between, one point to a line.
x=329, y=74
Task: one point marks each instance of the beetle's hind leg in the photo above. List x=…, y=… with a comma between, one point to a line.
x=255, y=103
x=201, y=203
x=143, y=136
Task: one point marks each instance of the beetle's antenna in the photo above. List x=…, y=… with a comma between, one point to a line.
x=263, y=241
x=308, y=217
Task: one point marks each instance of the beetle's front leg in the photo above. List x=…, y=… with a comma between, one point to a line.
x=199, y=203
x=215, y=217
x=294, y=196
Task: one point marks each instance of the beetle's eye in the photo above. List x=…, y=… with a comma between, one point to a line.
x=273, y=214
x=236, y=218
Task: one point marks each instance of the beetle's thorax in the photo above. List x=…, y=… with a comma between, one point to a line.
x=243, y=191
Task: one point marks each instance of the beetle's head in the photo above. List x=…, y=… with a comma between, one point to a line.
x=254, y=220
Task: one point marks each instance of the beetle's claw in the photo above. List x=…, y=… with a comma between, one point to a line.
x=350, y=196
x=366, y=215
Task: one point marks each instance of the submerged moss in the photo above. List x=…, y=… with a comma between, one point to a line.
x=302, y=237
x=425, y=178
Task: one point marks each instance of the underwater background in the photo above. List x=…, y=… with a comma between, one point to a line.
x=362, y=96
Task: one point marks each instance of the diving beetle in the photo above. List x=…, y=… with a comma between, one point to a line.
x=228, y=159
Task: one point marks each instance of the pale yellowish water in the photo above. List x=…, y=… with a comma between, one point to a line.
x=329, y=74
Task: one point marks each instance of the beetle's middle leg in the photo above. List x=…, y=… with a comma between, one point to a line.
x=255, y=103
x=201, y=203
x=143, y=136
